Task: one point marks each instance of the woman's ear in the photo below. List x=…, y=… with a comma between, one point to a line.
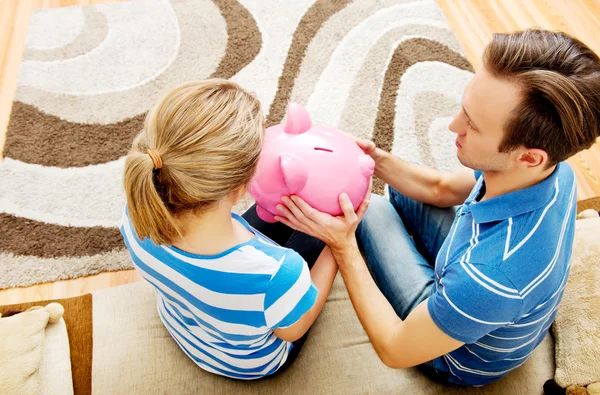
x=236, y=195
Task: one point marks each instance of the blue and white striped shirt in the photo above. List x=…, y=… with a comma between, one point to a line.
x=501, y=274
x=221, y=309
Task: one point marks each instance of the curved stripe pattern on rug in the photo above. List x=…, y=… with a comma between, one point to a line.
x=388, y=70
x=86, y=40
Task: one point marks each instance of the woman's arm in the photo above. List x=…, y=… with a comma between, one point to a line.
x=322, y=274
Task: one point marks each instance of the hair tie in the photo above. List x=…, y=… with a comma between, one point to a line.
x=155, y=159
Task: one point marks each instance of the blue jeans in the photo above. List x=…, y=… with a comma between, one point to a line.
x=401, y=239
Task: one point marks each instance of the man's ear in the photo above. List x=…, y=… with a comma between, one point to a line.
x=533, y=157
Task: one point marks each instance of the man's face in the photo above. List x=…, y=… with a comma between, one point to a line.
x=487, y=106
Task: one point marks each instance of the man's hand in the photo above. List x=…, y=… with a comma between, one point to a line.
x=417, y=182
x=368, y=148
x=336, y=232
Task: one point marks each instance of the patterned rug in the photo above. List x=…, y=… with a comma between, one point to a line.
x=388, y=70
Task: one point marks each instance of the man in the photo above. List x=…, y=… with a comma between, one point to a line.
x=468, y=293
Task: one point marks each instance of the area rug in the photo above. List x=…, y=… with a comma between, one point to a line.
x=388, y=70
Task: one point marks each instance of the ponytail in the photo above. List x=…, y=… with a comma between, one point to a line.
x=200, y=143
x=149, y=215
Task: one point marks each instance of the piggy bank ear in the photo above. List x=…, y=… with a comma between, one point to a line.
x=298, y=120
x=294, y=173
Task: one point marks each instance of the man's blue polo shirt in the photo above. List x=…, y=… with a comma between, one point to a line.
x=501, y=274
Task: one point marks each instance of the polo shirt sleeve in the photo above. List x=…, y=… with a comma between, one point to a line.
x=473, y=300
x=290, y=293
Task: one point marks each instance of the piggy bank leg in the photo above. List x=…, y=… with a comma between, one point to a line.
x=265, y=215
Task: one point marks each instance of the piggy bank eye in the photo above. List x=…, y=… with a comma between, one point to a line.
x=323, y=149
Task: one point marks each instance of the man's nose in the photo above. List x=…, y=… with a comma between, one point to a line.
x=454, y=126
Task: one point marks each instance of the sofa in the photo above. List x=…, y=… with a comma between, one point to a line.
x=118, y=345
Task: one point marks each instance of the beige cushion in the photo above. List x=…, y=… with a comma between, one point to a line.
x=55, y=366
x=21, y=347
x=134, y=354
x=577, y=324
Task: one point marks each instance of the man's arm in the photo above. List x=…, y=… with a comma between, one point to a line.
x=420, y=183
x=398, y=343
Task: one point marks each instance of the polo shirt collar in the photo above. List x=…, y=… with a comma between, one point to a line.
x=514, y=203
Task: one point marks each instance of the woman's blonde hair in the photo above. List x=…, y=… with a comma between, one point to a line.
x=200, y=143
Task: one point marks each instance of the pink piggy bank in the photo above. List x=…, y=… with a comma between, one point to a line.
x=314, y=162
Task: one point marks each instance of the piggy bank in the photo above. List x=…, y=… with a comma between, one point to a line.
x=313, y=162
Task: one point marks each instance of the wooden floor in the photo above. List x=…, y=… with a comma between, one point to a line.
x=473, y=21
